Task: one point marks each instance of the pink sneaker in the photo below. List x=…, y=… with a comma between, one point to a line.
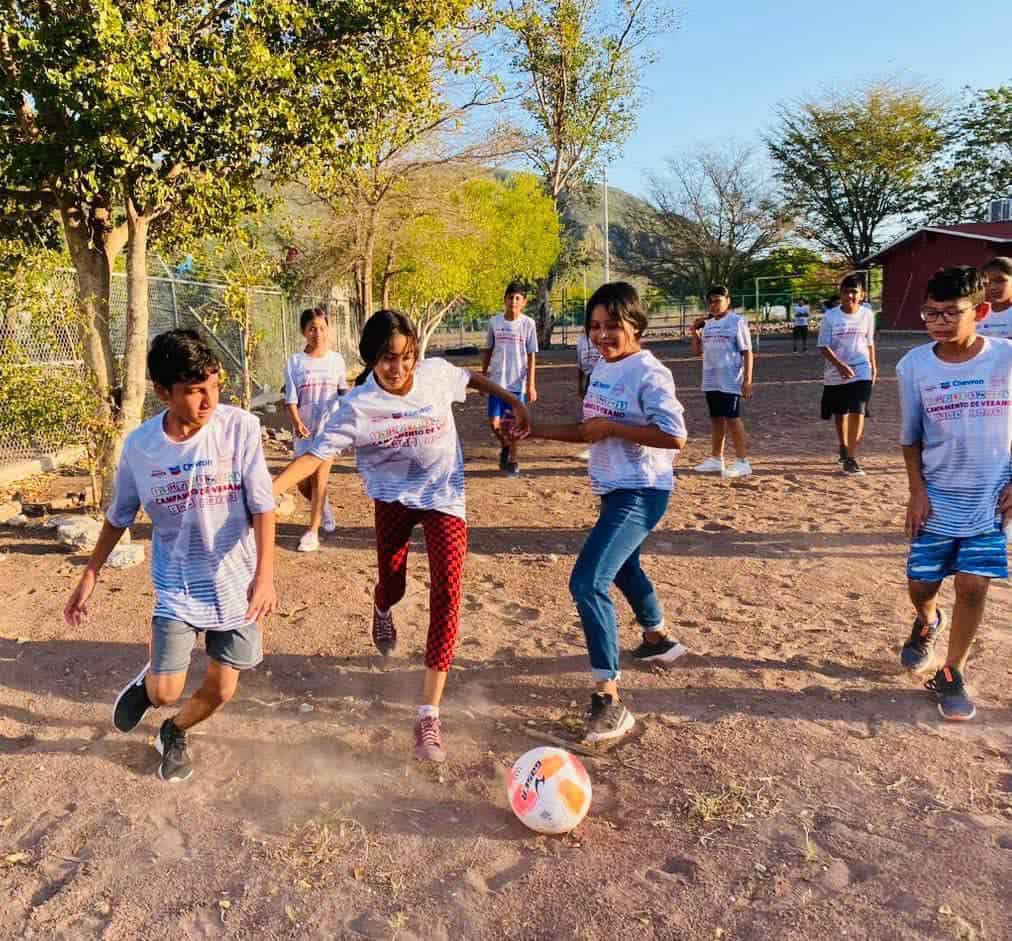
x=429, y=740
x=384, y=634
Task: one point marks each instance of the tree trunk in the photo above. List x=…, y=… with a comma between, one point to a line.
x=136, y=347
x=367, y=271
x=387, y=278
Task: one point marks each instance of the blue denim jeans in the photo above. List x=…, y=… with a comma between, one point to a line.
x=612, y=554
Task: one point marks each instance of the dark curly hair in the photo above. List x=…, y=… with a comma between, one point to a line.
x=621, y=300
x=180, y=356
x=956, y=283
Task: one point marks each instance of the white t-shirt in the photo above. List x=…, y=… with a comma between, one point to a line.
x=200, y=495
x=587, y=354
x=725, y=339
x=997, y=324
x=312, y=383
x=801, y=315
x=961, y=415
x=849, y=336
x=406, y=446
x=637, y=390
x=511, y=341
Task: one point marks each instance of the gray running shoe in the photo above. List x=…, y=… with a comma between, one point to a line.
x=175, y=766
x=954, y=702
x=608, y=719
x=132, y=703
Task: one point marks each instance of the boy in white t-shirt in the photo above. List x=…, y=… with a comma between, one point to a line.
x=723, y=339
x=314, y=377
x=956, y=400
x=847, y=343
x=998, y=323
x=508, y=360
x=198, y=470
x=799, y=330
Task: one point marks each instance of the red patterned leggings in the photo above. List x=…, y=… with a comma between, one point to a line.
x=446, y=544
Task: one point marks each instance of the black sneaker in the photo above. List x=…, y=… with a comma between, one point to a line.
x=608, y=719
x=512, y=469
x=132, y=703
x=175, y=765
x=954, y=702
x=851, y=468
x=504, y=459
x=917, y=651
x=843, y=454
x=662, y=650
x=384, y=634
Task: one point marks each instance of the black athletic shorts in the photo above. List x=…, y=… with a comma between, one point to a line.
x=800, y=333
x=851, y=398
x=723, y=404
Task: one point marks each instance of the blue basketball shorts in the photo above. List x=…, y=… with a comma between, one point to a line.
x=497, y=408
x=933, y=557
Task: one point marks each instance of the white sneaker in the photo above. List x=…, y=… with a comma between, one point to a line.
x=740, y=468
x=309, y=542
x=583, y=455
x=712, y=465
x=329, y=523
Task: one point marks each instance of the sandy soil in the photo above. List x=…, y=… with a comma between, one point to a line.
x=786, y=781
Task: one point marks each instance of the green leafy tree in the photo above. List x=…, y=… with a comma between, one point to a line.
x=488, y=232
x=121, y=117
x=579, y=66
x=976, y=165
x=853, y=163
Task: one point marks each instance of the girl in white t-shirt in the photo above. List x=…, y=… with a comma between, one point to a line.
x=399, y=420
x=313, y=379
x=633, y=420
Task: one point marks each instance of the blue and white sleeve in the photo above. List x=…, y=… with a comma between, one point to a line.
x=291, y=386
x=660, y=403
x=911, y=407
x=126, y=501
x=744, y=336
x=337, y=431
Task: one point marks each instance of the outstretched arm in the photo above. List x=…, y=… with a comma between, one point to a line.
x=484, y=384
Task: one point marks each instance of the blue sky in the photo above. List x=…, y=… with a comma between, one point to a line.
x=723, y=71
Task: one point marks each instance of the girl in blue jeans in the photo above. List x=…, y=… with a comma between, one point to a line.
x=633, y=421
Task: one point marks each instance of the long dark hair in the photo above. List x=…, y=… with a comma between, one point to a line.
x=377, y=333
x=621, y=300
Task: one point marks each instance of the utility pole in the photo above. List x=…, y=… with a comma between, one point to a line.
x=607, y=246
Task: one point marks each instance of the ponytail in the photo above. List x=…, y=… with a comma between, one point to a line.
x=377, y=333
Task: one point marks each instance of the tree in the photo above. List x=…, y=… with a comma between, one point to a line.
x=714, y=212
x=579, y=63
x=976, y=165
x=850, y=164
x=488, y=233
x=123, y=116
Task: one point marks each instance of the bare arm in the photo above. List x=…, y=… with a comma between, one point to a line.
x=483, y=384
x=298, y=427
x=649, y=436
x=873, y=359
x=581, y=382
x=697, y=338
x=260, y=595
x=486, y=358
x=532, y=388
x=76, y=607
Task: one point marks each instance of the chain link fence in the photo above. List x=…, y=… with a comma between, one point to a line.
x=271, y=317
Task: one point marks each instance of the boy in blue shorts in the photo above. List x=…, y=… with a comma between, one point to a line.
x=957, y=437
x=510, y=350
x=198, y=470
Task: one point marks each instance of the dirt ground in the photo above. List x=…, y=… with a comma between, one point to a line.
x=786, y=781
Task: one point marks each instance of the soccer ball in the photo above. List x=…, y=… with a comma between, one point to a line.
x=549, y=790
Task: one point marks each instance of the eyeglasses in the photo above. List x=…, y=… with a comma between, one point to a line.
x=949, y=315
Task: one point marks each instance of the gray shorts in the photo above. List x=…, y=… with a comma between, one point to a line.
x=172, y=642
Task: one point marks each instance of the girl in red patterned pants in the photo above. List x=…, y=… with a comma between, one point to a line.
x=399, y=420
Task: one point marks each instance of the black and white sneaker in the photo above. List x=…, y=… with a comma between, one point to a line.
x=608, y=719
x=384, y=634
x=662, y=650
x=512, y=469
x=175, y=766
x=132, y=703
x=851, y=468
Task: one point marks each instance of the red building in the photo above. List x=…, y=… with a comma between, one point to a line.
x=909, y=262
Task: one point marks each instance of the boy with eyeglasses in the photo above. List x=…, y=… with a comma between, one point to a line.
x=955, y=397
x=847, y=343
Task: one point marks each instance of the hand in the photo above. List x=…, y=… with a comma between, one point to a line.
x=532, y=394
x=845, y=371
x=919, y=509
x=874, y=374
x=521, y=423
x=698, y=324
x=746, y=389
x=597, y=429
x=1005, y=503
x=301, y=431
x=76, y=609
x=261, y=597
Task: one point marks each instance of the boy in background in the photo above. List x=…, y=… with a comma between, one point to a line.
x=847, y=343
x=510, y=350
x=955, y=397
x=799, y=329
x=198, y=470
x=725, y=343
